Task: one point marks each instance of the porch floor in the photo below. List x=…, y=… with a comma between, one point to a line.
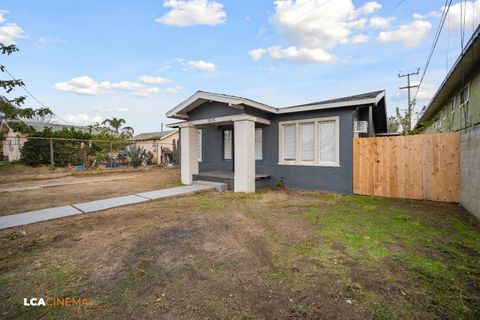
x=228, y=177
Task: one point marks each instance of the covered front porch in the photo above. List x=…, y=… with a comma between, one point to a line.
x=228, y=177
x=243, y=177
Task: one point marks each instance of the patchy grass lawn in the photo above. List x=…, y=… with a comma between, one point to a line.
x=268, y=255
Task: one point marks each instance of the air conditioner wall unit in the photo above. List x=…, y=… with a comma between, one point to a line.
x=360, y=127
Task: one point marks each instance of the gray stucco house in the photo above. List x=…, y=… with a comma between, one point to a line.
x=250, y=145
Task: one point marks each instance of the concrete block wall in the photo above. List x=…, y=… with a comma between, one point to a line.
x=470, y=170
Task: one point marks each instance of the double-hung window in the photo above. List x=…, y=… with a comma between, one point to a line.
x=310, y=142
x=227, y=144
x=258, y=144
x=199, y=144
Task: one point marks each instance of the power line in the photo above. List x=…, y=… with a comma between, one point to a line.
x=397, y=5
x=446, y=8
x=30, y=94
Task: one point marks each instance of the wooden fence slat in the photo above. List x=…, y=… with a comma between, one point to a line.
x=415, y=167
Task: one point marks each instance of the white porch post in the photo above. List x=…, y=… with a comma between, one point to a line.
x=244, y=137
x=189, y=158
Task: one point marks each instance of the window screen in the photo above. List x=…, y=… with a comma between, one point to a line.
x=199, y=144
x=258, y=144
x=227, y=144
x=290, y=137
x=307, y=138
x=327, y=141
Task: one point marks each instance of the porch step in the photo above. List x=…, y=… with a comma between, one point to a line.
x=219, y=186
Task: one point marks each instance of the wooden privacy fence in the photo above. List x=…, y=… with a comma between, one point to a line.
x=414, y=167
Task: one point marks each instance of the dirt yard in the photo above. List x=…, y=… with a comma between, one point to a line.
x=41, y=190
x=270, y=255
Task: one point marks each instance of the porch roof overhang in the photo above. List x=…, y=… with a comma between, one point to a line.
x=200, y=97
x=219, y=121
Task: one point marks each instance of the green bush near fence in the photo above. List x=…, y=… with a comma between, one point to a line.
x=70, y=147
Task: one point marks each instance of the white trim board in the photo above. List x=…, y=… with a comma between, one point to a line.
x=181, y=110
x=219, y=120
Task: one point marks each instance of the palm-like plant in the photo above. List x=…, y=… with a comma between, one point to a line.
x=127, y=132
x=115, y=124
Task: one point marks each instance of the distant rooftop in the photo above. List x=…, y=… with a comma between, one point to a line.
x=152, y=135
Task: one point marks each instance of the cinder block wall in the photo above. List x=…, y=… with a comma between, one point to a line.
x=470, y=170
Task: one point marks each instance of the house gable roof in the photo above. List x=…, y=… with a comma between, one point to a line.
x=153, y=135
x=200, y=97
x=181, y=110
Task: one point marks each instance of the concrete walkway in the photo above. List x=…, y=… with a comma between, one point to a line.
x=24, y=218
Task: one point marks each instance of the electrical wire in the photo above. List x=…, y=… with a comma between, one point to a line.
x=446, y=8
x=30, y=94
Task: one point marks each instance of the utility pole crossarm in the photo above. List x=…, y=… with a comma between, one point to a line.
x=408, y=87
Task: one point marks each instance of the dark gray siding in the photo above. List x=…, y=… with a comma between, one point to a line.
x=212, y=151
x=334, y=179
x=212, y=110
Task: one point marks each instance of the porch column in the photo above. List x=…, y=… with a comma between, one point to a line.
x=244, y=149
x=189, y=158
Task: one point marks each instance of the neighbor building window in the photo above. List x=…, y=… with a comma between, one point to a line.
x=227, y=144
x=258, y=144
x=464, y=95
x=310, y=142
x=199, y=144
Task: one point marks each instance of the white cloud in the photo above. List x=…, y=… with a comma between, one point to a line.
x=154, y=80
x=111, y=109
x=146, y=92
x=257, y=54
x=411, y=34
x=472, y=14
x=81, y=118
x=268, y=69
x=360, y=38
x=174, y=90
x=378, y=22
x=202, y=65
x=9, y=31
x=314, y=26
x=3, y=13
x=88, y=86
x=370, y=7
x=470, y=8
x=186, y=13
x=300, y=54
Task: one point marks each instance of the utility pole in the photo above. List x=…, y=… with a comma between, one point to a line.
x=408, y=87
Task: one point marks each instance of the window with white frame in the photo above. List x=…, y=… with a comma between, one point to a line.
x=258, y=144
x=227, y=144
x=199, y=144
x=310, y=142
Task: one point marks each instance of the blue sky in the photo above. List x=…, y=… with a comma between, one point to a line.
x=91, y=60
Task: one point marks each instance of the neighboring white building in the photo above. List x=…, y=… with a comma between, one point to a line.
x=160, y=144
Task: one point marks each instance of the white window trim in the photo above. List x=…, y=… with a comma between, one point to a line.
x=316, y=161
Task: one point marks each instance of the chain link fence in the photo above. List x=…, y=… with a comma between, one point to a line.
x=83, y=154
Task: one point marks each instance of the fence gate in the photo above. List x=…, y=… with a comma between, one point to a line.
x=413, y=167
